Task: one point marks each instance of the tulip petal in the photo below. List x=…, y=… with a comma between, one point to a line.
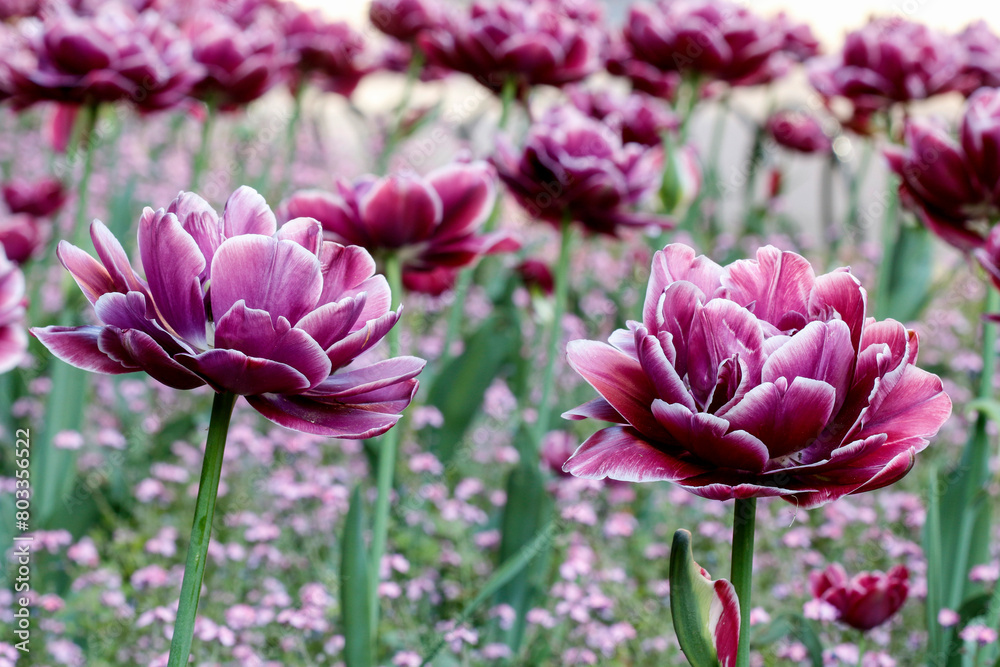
x=280, y=277
x=113, y=256
x=78, y=347
x=595, y=409
x=621, y=453
x=350, y=347
x=234, y=371
x=777, y=283
x=153, y=359
x=398, y=211
x=93, y=279
x=840, y=294
x=619, y=379
x=370, y=378
x=706, y=437
x=247, y=212
x=821, y=351
x=174, y=263
x=331, y=322
x=333, y=420
x=467, y=194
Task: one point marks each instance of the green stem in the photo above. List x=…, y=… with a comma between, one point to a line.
x=744, y=520
x=854, y=193
x=554, y=334
x=201, y=529
x=833, y=234
x=712, y=187
x=507, y=95
x=201, y=157
x=291, y=143
x=396, y=133
x=387, y=447
x=87, y=141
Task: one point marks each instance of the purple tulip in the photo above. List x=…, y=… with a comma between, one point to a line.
x=13, y=339
x=799, y=41
x=530, y=43
x=329, y=51
x=953, y=186
x=576, y=167
x=22, y=236
x=720, y=40
x=890, y=60
x=756, y=379
x=982, y=62
x=40, y=199
x=404, y=19
x=236, y=303
x=989, y=258
x=798, y=131
x=640, y=118
x=241, y=63
x=644, y=77
x=864, y=601
x=109, y=56
x=433, y=222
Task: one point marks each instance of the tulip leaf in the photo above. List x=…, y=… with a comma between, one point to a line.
x=909, y=275
x=706, y=613
x=458, y=390
x=523, y=518
x=354, y=587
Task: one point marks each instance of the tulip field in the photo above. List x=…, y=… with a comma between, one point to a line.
x=496, y=333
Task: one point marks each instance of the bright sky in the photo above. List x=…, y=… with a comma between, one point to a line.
x=830, y=19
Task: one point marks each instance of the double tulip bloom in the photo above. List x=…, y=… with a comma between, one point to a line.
x=718, y=40
x=113, y=55
x=529, y=43
x=13, y=339
x=756, y=379
x=982, y=57
x=240, y=63
x=330, y=52
x=954, y=186
x=431, y=222
x=404, y=20
x=575, y=168
x=864, y=601
x=23, y=232
x=640, y=118
x=238, y=304
x=890, y=60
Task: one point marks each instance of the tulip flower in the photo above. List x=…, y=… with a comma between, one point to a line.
x=240, y=63
x=110, y=56
x=524, y=43
x=756, y=379
x=798, y=132
x=644, y=78
x=890, y=60
x=576, y=168
x=718, y=40
x=799, y=41
x=982, y=61
x=21, y=237
x=432, y=222
x=286, y=311
x=640, y=118
x=864, y=601
x=404, y=19
x=988, y=257
x=13, y=339
x=953, y=185
x=40, y=199
x=330, y=52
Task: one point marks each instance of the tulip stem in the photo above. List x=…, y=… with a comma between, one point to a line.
x=387, y=447
x=201, y=157
x=291, y=140
x=744, y=520
x=201, y=528
x=833, y=233
x=86, y=144
x=507, y=94
x=554, y=334
x=396, y=131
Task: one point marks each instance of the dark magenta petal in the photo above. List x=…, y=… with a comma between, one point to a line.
x=93, y=279
x=669, y=385
x=78, y=346
x=349, y=384
x=350, y=347
x=344, y=270
x=251, y=332
x=174, y=263
x=200, y=221
x=720, y=330
x=333, y=212
x=399, y=210
x=331, y=322
x=621, y=453
x=821, y=351
x=674, y=263
x=839, y=294
x=280, y=277
x=467, y=194
x=307, y=232
x=231, y=370
x=915, y=407
x=711, y=438
x=777, y=283
x=333, y=420
x=113, y=256
x=619, y=379
x=595, y=409
x=153, y=359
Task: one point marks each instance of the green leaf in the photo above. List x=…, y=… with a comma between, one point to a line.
x=354, y=587
x=510, y=569
x=706, y=613
x=54, y=469
x=909, y=274
x=458, y=390
x=524, y=516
